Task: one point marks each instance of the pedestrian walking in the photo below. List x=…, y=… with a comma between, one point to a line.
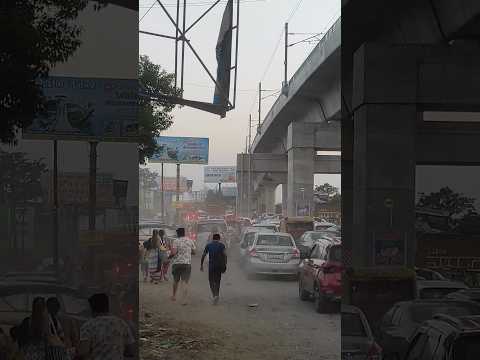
x=181, y=255
x=105, y=337
x=217, y=265
x=143, y=260
x=165, y=251
x=153, y=255
x=33, y=332
x=62, y=326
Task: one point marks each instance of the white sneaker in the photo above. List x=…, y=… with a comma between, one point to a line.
x=215, y=300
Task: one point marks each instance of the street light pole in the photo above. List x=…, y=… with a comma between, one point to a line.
x=286, y=56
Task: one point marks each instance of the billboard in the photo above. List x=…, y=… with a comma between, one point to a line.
x=224, y=55
x=87, y=109
x=181, y=150
x=170, y=184
x=219, y=174
x=74, y=189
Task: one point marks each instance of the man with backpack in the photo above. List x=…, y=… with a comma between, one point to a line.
x=217, y=265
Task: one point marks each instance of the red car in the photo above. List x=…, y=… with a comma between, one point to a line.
x=321, y=277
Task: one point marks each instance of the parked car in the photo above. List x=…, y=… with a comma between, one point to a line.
x=357, y=337
x=267, y=226
x=401, y=321
x=465, y=294
x=428, y=274
x=437, y=289
x=313, y=258
x=306, y=242
x=446, y=338
x=203, y=231
x=16, y=301
x=247, y=239
x=320, y=275
x=272, y=254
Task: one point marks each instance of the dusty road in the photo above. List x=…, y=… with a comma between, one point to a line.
x=281, y=327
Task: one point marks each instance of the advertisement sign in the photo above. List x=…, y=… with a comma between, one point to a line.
x=181, y=150
x=74, y=188
x=220, y=174
x=170, y=184
x=389, y=248
x=87, y=109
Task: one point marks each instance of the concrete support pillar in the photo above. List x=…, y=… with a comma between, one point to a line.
x=284, y=198
x=383, y=158
x=269, y=199
x=242, y=183
x=301, y=168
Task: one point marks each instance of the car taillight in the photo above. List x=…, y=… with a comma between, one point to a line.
x=296, y=253
x=375, y=352
x=252, y=253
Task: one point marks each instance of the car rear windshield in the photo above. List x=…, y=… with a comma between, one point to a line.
x=335, y=253
x=352, y=325
x=467, y=347
x=274, y=240
x=423, y=312
x=436, y=293
x=209, y=227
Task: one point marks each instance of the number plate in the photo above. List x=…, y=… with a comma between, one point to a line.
x=275, y=256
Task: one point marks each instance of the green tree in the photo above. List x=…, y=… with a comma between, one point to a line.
x=328, y=189
x=155, y=114
x=147, y=182
x=455, y=204
x=37, y=34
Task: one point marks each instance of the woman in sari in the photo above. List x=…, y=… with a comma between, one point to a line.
x=165, y=250
x=154, y=261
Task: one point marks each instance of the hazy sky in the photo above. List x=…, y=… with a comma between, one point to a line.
x=261, y=29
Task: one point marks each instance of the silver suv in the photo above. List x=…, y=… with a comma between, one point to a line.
x=272, y=254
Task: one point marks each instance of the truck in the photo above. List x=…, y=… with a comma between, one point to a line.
x=297, y=225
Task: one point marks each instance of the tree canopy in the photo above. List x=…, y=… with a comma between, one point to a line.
x=37, y=34
x=326, y=188
x=155, y=115
x=449, y=201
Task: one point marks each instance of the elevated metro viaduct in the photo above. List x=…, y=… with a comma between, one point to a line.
x=409, y=96
x=303, y=121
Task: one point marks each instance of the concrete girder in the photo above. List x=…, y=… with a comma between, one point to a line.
x=319, y=136
x=435, y=77
x=314, y=89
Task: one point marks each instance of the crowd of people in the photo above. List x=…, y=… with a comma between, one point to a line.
x=158, y=253
x=49, y=335
x=154, y=257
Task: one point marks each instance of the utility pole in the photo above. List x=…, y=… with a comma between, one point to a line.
x=163, y=197
x=259, y=106
x=286, y=57
x=249, y=133
x=55, y=208
x=177, y=220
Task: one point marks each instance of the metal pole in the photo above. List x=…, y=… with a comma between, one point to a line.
x=177, y=195
x=55, y=208
x=250, y=133
x=183, y=42
x=93, y=186
x=259, y=105
x=176, y=47
x=286, y=55
x=249, y=182
x=163, y=196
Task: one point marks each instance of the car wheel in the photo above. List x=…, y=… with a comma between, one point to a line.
x=320, y=302
x=302, y=293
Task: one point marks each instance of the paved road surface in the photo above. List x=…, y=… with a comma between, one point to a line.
x=281, y=327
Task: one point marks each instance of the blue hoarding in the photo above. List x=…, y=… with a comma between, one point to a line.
x=181, y=150
x=87, y=109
